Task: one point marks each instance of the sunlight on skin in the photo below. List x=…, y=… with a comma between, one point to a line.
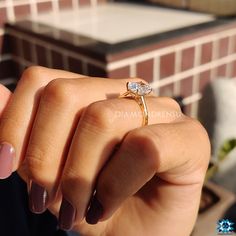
x=4, y=97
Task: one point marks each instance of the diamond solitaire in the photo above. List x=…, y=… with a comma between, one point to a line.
x=138, y=88
x=138, y=91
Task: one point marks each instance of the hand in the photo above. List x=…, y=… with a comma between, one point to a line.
x=5, y=164
x=72, y=136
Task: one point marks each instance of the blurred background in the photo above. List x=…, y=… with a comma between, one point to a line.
x=185, y=49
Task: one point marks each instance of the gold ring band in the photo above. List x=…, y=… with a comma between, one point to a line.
x=138, y=91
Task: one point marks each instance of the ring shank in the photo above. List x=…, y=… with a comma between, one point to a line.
x=138, y=91
x=142, y=104
x=143, y=107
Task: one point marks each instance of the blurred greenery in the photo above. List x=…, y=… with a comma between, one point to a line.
x=227, y=147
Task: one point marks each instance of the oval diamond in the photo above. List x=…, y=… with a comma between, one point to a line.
x=139, y=88
x=144, y=89
x=133, y=87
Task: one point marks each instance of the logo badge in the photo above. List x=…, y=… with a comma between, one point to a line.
x=225, y=227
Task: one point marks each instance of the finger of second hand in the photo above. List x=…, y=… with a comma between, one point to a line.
x=4, y=97
x=18, y=116
x=101, y=128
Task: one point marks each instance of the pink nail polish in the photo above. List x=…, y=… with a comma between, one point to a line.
x=7, y=154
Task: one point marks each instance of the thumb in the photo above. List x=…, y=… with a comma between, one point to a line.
x=4, y=97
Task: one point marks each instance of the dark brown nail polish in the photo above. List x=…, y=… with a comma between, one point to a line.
x=38, y=198
x=95, y=211
x=66, y=215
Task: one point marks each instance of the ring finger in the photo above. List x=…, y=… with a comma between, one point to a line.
x=101, y=128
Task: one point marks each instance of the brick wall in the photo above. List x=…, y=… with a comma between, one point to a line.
x=13, y=10
x=182, y=66
x=185, y=66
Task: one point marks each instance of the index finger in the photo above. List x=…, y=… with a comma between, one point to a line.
x=4, y=97
x=19, y=114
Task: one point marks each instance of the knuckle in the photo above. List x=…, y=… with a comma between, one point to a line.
x=71, y=181
x=202, y=135
x=98, y=115
x=144, y=143
x=36, y=164
x=172, y=103
x=70, y=175
x=33, y=75
x=197, y=127
x=59, y=91
x=8, y=126
x=201, y=151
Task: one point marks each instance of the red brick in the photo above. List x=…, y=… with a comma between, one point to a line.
x=57, y=60
x=22, y=11
x=187, y=109
x=84, y=2
x=1, y=43
x=75, y=65
x=167, y=91
x=41, y=55
x=187, y=59
x=167, y=65
x=93, y=70
x=234, y=69
x=221, y=71
x=3, y=16
x=5, y=44
x=205, y=78
x=234, y=44
x=206, y=52
x=16, y=46
x=145, y=70
x=186, y=87
x=44, y=6
x=123, y=72
x=27, y=50
x=65, y=4
x=223, y=47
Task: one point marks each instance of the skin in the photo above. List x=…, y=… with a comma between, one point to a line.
x=65, y=127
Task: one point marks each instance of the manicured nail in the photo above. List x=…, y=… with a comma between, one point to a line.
x=38, y=198
x=7, y=154
x=95, y=212
x=66, y=215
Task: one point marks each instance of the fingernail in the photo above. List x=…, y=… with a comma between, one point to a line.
x=95, y=212
x=7, y=154
x=38, y=198
x=66, y=215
